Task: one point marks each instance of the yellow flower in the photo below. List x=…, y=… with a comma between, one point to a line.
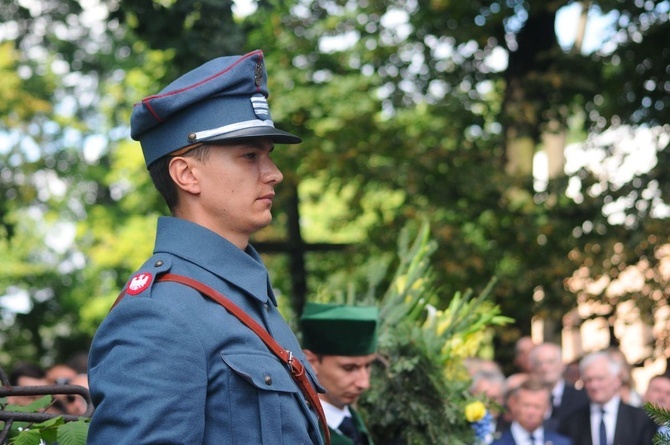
x=475, y=411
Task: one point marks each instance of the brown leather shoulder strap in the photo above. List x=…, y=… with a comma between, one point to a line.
x=119, y=298
x=296, y=367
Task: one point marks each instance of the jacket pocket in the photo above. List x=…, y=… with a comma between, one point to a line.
x=265, y=397
x=262, y=370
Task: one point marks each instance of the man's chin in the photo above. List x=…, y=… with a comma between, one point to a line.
x=353, y=399
x=262, y=222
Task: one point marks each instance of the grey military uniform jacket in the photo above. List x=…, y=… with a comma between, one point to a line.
x=169, y=366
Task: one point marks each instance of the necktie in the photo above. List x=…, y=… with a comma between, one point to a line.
x=603, y=431
x=552, y=406
x=348, y=428
x=532, y=439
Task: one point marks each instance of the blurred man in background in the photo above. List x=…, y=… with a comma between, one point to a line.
x=606, y=420
x=340, y=342
x=547, y=366
x=528, y=404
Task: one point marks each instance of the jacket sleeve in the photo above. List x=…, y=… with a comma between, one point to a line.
x=147, y=377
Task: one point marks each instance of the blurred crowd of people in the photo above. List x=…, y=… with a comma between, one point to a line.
x=588, y=401
x=74, y=372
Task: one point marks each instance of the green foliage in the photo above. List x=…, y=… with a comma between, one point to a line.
x=407, y=121
x=194, y=30
x=51, y=431
x=419, y=387
x=43, y=431
x=73, y=433
x=662, y=417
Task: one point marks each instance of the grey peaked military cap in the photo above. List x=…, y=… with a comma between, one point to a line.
x=224, y=99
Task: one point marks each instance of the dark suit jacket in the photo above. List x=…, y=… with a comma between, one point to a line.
x=550, y=437
x=336, y=438
x=571, y=400
x=633, y=426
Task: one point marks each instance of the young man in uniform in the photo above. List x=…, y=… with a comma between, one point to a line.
x=170, y=365
x=340, y=343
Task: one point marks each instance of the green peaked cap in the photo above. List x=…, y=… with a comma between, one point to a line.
x=336, y=329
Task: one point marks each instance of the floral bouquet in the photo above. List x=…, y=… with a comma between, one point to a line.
x=419, y=387
x=483, y=423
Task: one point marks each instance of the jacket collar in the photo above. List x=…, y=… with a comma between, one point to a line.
x=208, y=250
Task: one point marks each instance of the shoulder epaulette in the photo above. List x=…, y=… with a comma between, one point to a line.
x=142, y=281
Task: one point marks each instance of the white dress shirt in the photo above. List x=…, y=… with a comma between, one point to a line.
x=611, y=412
x=557, y=392
x=556, y=397
x=522, y=437
x=334, y=415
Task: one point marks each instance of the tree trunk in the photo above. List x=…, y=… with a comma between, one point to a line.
x=525, y=95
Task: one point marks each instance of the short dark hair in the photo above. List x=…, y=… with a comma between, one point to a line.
x=532, y=385
x=160, y=174
x=26, y=369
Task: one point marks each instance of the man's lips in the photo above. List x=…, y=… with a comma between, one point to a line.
x=353, y=396
x=267, y=197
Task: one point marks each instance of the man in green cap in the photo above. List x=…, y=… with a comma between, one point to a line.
x=340, y=342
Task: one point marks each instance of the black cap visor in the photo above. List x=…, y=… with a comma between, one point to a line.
x=276, y=135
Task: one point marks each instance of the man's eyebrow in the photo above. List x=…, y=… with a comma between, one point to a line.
x=257, y=144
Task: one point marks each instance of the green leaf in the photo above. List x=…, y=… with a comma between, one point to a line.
x=73, y=433
x=50, y=423
x=36, y=406
x=27, y=437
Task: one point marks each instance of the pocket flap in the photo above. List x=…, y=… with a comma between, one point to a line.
x=264, y=371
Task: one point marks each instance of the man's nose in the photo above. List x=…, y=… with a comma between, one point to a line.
x=271, y=173
x=363, y=379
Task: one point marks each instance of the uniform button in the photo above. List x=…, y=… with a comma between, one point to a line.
x=158, y=263
x=268, y=380
x=267, y=307
x=309, y=405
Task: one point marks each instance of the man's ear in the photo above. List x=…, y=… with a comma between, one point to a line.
x=181, y=171
x=312, y=358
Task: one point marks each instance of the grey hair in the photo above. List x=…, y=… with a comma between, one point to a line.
x=488, y=376
x=533, y=352
x=613, y=365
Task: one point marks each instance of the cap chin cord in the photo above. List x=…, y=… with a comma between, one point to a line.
x=204, y=135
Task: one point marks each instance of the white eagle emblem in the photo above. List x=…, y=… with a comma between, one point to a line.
x=138, y=283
